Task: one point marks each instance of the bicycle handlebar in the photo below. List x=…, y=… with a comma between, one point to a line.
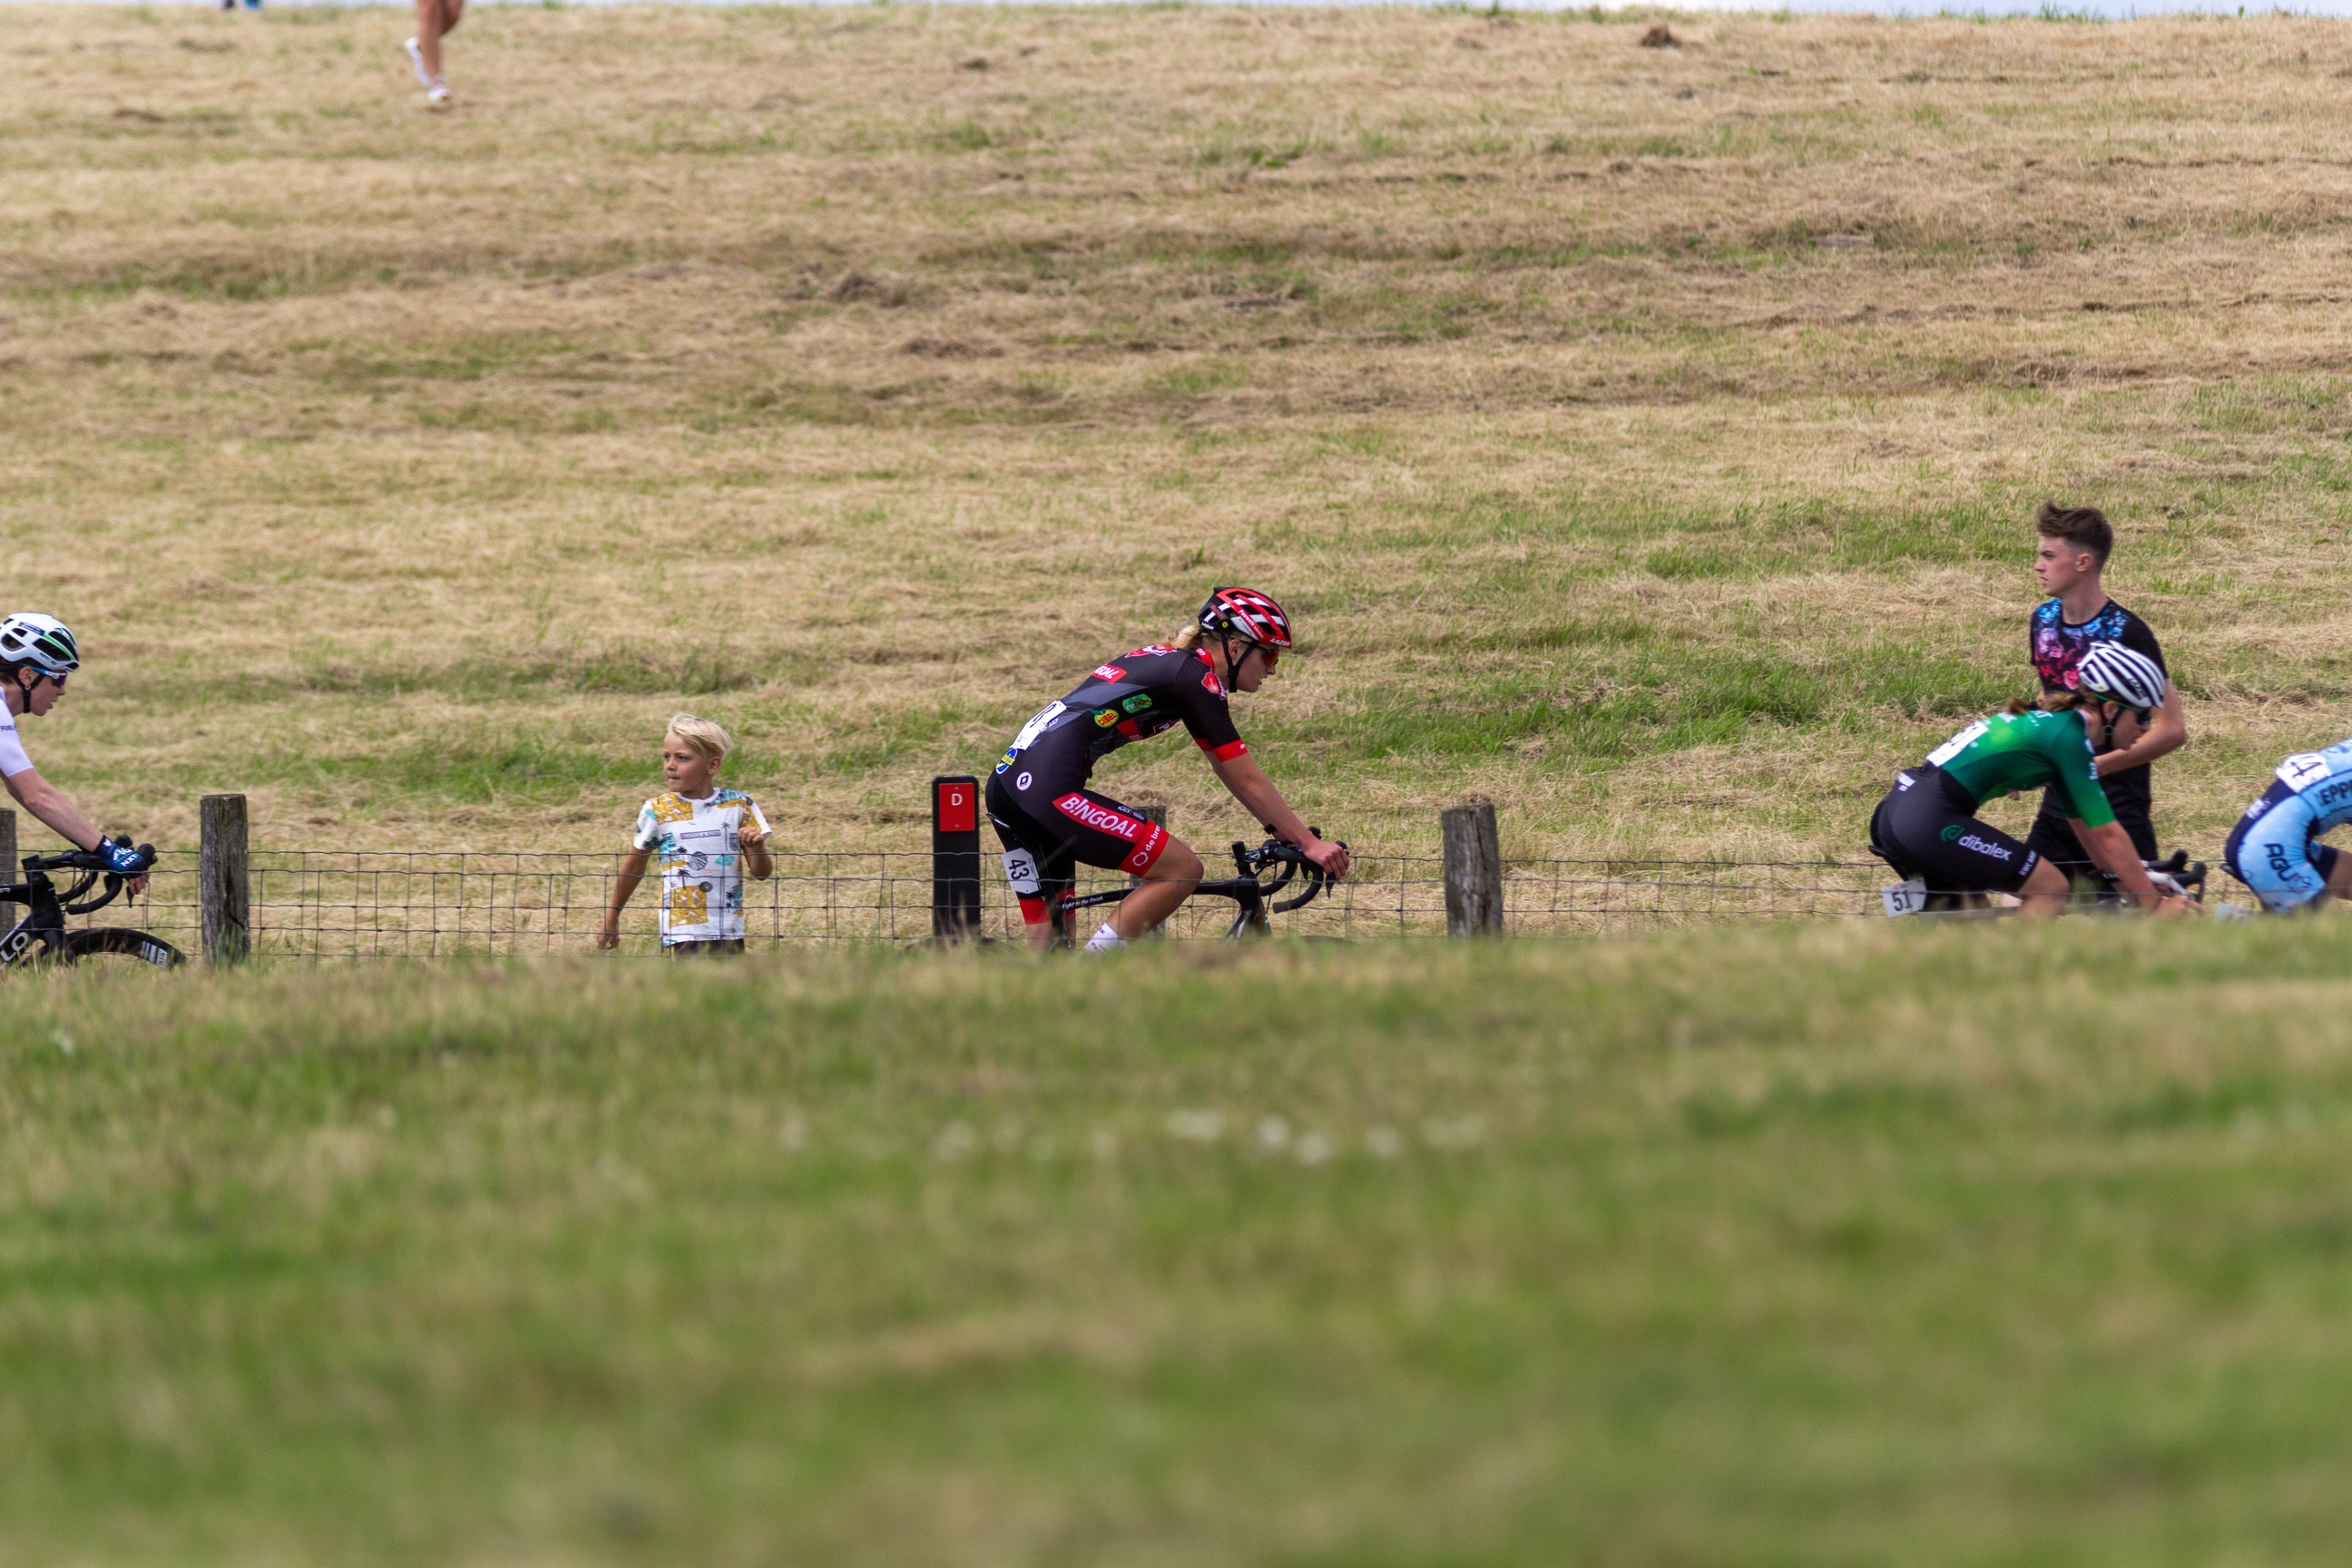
x=90, y=860
x=1248, y=862
x=2178, y=876
x=1293, y=860
x=1292, y=864
x=92, y=863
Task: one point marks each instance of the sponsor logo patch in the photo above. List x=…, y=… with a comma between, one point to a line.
x=1022, y=781
x=1984, y=846
x=1109, y=672
x=1078, y=808
x=1107, y=718
x=1137, y=703
x=1954, y=831
x=1216, y=688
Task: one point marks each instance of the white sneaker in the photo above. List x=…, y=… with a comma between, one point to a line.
x=438, y=93
x=416, y=63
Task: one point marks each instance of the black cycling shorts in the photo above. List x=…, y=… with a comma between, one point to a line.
x=1926, y=827
x=1048, y=834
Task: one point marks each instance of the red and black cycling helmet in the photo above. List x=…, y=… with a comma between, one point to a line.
x=1246, y=613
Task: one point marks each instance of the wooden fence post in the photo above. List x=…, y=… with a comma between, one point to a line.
x=222, y=887
x=9, y=869
x=1474, y=871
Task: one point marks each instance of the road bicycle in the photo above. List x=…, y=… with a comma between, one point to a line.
x=42, y=937
x=2176, y=875
x=1256, y=900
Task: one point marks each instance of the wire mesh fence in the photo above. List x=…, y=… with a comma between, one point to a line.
x=314, y=903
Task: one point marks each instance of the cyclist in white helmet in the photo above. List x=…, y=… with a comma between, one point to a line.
x=1927, y=826
x=37, y=654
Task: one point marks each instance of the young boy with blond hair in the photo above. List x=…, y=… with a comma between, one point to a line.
x=705, y=837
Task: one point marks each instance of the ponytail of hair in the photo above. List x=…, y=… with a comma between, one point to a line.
x=2050, y=703
x=1187, y=638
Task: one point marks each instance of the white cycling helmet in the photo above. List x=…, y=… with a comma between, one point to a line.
x=42, y=641
x=2114, y=673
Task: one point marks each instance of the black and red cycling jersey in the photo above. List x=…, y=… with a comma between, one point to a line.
x=1038, y=800
x=1131, y=698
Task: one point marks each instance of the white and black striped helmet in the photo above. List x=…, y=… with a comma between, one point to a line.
x=42, y=641
x=2114, y=673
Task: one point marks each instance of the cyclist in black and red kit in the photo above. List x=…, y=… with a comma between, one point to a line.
x=1050, y=823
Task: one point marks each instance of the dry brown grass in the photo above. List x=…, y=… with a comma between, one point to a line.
x=1714, y=383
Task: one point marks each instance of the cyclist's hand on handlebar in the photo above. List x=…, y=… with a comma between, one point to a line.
x=2173, y=908
x=120, y=858
x=1330, y=859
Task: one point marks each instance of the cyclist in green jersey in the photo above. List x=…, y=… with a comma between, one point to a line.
x=1927, y=826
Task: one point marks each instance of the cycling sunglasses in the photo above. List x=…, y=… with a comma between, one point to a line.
x=2143, y=715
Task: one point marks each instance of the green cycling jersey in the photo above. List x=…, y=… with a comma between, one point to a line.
x=2008, y=753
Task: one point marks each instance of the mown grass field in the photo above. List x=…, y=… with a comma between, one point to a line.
x=1646, y=437
x=1867, y=1244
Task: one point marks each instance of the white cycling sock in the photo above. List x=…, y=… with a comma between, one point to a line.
x=1105, y=940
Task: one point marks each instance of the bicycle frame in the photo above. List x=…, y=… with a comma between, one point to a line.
x=45, y=909
x=1254, y=898
x=44, y=916
x=2174, y=877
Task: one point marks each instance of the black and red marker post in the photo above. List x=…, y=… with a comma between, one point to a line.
x=955, y=858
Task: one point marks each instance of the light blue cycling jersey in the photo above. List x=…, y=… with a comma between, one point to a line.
x=2271, y=850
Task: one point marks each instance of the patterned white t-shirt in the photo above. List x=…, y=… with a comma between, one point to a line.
x=701, y=867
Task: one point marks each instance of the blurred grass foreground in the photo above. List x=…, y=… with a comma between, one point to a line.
x=1867, y=1244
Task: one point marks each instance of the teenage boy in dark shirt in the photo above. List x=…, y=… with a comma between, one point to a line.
x=2073, y=553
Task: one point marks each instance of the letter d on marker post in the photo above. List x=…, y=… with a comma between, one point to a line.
x=955, y=858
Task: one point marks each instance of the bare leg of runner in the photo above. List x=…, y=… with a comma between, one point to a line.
x=435, y=17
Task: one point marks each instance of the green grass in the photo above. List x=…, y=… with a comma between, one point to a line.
x=1959, y=1245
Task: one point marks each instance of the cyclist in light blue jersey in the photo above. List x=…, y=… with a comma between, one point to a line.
x=2272, y=850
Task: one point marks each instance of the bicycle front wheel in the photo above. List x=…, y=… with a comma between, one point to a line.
x=120, y=944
